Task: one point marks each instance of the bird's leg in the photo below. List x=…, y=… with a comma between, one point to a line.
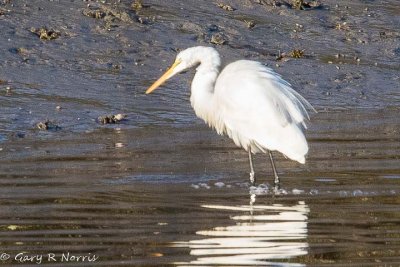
x=252, y=178
x=276, y=181
x=252, y=201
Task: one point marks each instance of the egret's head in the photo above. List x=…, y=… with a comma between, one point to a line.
x=184, y=60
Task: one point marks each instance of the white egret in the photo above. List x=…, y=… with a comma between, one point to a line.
x=247, y=101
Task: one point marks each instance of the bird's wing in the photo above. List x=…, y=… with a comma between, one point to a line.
x=255, y=102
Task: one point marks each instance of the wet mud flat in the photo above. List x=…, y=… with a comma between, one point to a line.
x=132, y=197
x=158, y=187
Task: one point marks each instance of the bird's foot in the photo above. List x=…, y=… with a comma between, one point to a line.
x=277, y=189
x=276, y=183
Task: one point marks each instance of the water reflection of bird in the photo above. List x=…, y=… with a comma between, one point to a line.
x=256, y=235
x=247, y=101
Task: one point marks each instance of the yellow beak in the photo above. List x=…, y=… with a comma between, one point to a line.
x=163, y=78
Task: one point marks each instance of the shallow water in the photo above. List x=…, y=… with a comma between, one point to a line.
x=160, y=188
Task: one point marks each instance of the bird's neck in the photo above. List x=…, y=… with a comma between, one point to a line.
x=202, y=94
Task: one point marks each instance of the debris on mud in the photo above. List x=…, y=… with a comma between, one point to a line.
x=298, y=28
x=273, y=3
x=295, y=4
x=144, y=20
x=111, y=118
x=46, y=34
x=342, y=59
x=111, y=15
x=218, y=39
x=280, y=56
x=295, y=53
x=250, y=23
x=22, y=51
x=2, y=12
x=225, y=7
x=94, y=13
x=47, y=125
x=303, y=5
x=138, y=5
x=342, y=26
x=214, y=35
x=8, y=90
x=191, y=28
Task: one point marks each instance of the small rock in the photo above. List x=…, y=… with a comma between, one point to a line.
x=47, y=125
x=20, y=135
x=2, y=12
x=111, y=118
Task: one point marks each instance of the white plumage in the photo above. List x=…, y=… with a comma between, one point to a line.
x=247, y=101
x=261, y=110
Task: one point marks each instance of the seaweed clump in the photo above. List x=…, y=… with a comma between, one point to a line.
x=94, y=13
x=295, y=4
x=107, y=13
x=226, y=7
x=303, y=5
x=137, y=5
x=46, y=34
x=295, y=53
x=218, y=39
